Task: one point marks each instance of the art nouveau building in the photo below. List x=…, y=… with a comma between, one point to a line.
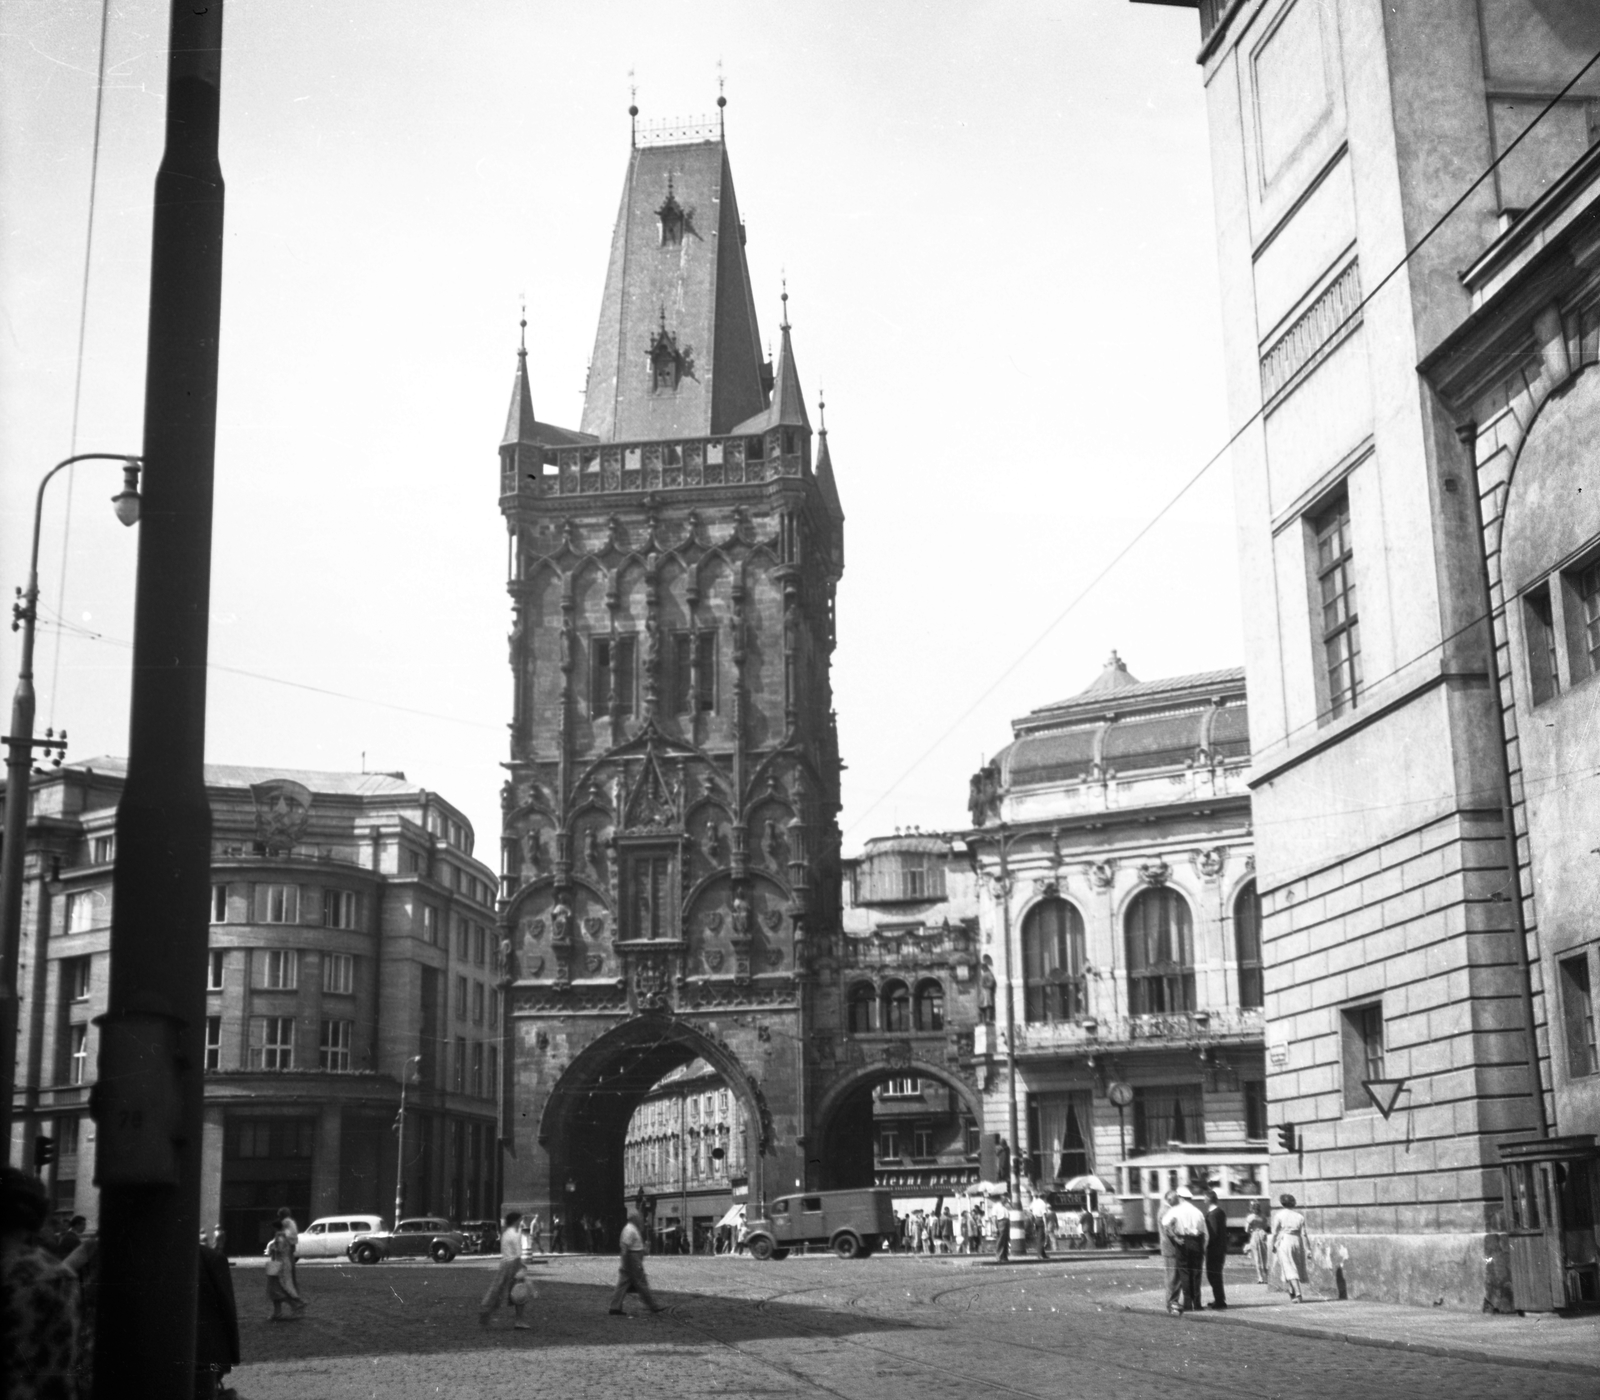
x=351, y=943
x=1119, y=915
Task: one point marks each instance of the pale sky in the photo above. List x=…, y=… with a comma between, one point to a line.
x=996, y=224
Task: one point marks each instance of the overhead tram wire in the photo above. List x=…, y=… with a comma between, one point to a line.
x=1215, y=457
x=83, y=326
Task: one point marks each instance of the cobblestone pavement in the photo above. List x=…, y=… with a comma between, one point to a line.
x=879, y=1329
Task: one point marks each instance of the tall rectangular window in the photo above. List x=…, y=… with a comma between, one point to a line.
x=477, y=1069
x=461, y=998
x=338, y=973
x=1577, y=1015
x=494, y=1009
x=1247, y=944
x=1255, y=1109
x=1336, y=586
x=461, y=1064
x=272, y=1042
x=480, y=945
x=888, y=1145
x=428, y=1039
x=213, y=1042
x=430, y=924
x=922, y=1141
x=1538, y=623
x=80, y=911
x=279, y=968
x=1361, y=1032
x=705, y=668
x=1586, y=586
x=477, y=1003
x=78, y=1054
x=341, y=908
x=219, y=904
x=280, y=904
x=611, y=674
x=681, y=674
x=334, y=1052
x=75, y=978
x=491, y=1088
x=651, y=902
x=1164, y=1113
x=216, y=962
x=104, y=850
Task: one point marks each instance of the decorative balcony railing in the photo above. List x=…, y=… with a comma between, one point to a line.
x=1174, y=1029
x=628, y=467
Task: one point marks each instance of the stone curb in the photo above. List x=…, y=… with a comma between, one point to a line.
x=1358, y=1339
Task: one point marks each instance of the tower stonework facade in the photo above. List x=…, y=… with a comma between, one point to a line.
x=670, y=840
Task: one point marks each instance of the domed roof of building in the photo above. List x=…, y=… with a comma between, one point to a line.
x=1122, y=724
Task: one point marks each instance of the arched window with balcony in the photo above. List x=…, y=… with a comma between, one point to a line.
x=1247, y=944
x=863, y=1003
x=1160, y=940
x=930, y=1005
x=896, y=999
x=1053, y=962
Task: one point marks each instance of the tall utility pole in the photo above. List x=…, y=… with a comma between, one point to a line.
x=148, y=1097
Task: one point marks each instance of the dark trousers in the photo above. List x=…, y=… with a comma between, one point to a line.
x=1191, y=1260
x=1214, y=1258
x=1002, y=1243
x=631, y=1279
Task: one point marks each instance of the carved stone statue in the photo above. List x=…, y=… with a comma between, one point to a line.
x=741, y=916
x=711, y=842
x=591, y=850
x=560, y=922
x=772, y=845
x=983, y=795
x=535, y=846
x=986, y=990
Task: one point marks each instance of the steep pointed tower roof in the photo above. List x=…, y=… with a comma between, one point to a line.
x=519, y=418
x=677, y=350
x=788, y=403
x=824, y=467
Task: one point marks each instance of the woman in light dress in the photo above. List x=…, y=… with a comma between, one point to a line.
x=280, y=1276
x=1289, y=1245
x=1255, y=1247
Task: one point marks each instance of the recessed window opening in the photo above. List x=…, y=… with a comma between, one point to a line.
x=1340, y=623
x=1538, y=621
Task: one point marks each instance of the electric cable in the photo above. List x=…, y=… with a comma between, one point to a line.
x=1216, y=457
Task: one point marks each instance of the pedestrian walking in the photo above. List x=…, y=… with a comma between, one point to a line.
x=1186, y=1227
x=216, y=1329
x=630, y=1269
x=1255, y=1238
x=522, y=1293
x=292, y=1233
x=280, y=1276
x=1002, y=1230
x=1040, y=1209
x=1289, y=1246
x=1169, y=1254
x=506, y=1275
x=1216, y=1248
x=38, y=1296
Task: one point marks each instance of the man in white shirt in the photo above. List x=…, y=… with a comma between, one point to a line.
x=506, y=1274
x=630, y=1268
x=1185, y=1226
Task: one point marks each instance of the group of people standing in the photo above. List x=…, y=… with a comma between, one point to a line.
x=1195, y=1239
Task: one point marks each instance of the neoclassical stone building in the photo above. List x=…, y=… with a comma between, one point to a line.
x=1119, y=917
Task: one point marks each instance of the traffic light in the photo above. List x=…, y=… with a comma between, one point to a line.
x=1286, y=1138
x=44, y=1152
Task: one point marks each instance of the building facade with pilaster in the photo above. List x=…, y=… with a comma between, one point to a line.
x=1115, y=849
x=352, y=943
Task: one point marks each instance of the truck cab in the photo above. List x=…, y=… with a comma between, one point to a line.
x=850, y=1223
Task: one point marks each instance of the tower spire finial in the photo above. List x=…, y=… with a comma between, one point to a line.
x=783, y=323
x=722, y=102
x=522, y=347
x=633, y=110
x=822, y=412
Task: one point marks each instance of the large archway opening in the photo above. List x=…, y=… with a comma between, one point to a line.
x=629, y=1123
x=911, y=1128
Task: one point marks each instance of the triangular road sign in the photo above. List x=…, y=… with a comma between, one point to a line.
x=1383, y=1093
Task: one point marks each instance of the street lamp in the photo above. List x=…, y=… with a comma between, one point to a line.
x=400, y=1137
x=19, y=763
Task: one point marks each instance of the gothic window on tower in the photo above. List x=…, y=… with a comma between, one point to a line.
x=672, y=219
x=611, y=673
x=693, y=680
x=650, y=904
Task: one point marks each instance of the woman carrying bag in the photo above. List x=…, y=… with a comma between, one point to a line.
x=280, y=1279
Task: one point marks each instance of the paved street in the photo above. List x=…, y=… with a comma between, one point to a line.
x=890, y=1327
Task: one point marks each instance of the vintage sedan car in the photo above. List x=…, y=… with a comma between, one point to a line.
x=427, y=1235
x=332, y=1235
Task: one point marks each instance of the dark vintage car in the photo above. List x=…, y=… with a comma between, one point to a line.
x=482, y=1236
x=426, y=1235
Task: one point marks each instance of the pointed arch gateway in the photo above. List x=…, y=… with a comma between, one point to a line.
x=584, y=1121
x=844, y=1123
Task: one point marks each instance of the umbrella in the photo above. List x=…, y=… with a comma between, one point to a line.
x=735, y=1216
x=1085, y=1183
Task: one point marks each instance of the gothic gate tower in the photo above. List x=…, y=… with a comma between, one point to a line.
x=670, y=843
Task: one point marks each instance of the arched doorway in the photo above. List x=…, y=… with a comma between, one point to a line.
x=910, y=1126
x=585, y=1120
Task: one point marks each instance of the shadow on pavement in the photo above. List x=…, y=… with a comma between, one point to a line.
x=413, y=1311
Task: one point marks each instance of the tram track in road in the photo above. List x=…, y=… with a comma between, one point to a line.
x=984, y=1381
